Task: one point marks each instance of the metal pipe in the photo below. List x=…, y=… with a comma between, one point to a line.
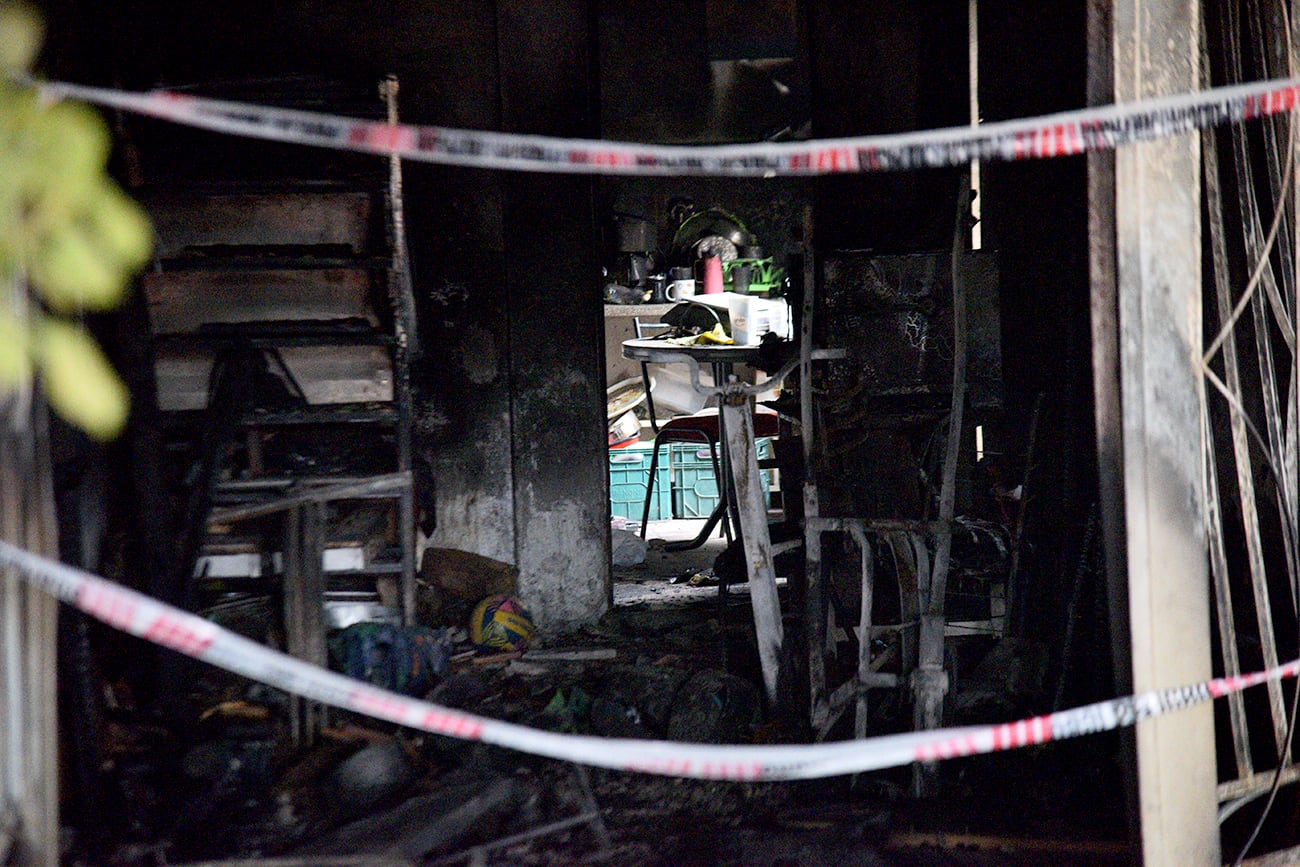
x=378, y=486
x=864, y=628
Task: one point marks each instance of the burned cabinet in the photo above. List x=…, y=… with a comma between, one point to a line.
x=282, y=378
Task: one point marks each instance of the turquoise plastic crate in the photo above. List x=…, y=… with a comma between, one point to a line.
x=695, y=491
x=629, y=473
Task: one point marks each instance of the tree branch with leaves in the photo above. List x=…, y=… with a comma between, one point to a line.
x=70, y=240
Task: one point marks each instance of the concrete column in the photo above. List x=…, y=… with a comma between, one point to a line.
x=556, y=321
x=1158, y=258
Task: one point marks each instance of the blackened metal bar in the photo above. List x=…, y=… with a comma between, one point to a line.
x=282, y=483
x=1241, y=453
x=887, y=525
x=726, y=494
x=597, y=821
x=814, y=604
x=404, y=296
x=1223, y=607
x=1016, y=614
x=390, y=484
x=292, y=593
x=406, y=526
x=1256, y=784
x=408, y=347
x=929, y=693
x=864, y=629
x=312, y=589
x=930, y=682
x=555, y=827
x=815, y=617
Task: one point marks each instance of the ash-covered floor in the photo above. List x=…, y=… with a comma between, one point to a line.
x=669, y=576
x=671, y=661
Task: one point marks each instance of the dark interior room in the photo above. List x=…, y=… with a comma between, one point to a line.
x=796, y=460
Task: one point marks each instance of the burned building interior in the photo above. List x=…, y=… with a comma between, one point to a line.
x=367, y=394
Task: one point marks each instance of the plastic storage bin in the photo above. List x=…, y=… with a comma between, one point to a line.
x=695, y=489
x=629, y=474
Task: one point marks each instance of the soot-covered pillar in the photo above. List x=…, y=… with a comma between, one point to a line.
x=1158, y=259
x=556, y=322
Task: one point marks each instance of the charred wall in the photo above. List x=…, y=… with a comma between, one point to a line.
x=510, y=408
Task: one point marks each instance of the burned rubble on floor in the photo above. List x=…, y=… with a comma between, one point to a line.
x=224, y=775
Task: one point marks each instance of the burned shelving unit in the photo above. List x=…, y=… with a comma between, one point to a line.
x=280, y=319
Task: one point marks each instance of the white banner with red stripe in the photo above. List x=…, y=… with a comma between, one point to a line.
x=1064, y=134
x=201, y=639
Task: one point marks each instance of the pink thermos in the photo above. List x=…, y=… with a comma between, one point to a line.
x=712, y=275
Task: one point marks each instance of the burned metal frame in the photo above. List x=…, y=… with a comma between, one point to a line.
x=909, y=536
x=922, y=604
x=1261, y=403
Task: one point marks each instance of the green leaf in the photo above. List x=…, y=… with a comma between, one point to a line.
x=71, y=144
x=20, y=37
x=79, y=381
x=119, y=226
x=72, y=273
x=18, y=152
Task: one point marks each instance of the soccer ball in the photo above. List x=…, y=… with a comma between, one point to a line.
x=501, y=623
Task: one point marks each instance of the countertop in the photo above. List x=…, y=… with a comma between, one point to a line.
x=649, y=311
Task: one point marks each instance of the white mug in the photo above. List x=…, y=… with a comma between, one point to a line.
x=681, y=290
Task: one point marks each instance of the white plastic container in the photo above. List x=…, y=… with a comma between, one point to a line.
x=752, y=317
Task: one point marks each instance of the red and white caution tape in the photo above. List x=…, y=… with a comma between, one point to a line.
x=201, y=639
x=1055, y=135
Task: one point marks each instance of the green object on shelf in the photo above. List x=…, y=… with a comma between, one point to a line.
x=764, y=275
